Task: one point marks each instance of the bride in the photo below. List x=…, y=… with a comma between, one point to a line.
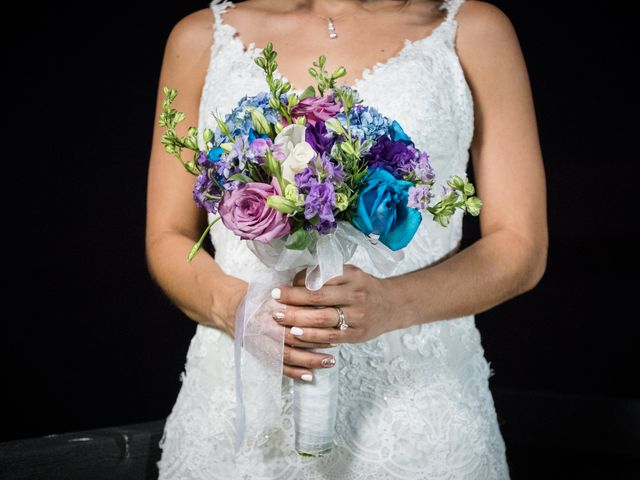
x=414, y=400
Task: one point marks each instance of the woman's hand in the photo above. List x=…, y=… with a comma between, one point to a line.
x=310, y=317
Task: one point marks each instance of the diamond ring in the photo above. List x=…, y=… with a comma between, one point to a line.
x=342, y=324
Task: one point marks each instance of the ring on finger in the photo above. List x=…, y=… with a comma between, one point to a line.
x=342, y=323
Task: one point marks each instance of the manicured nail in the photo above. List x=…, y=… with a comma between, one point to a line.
x=278, y=316
x=328, y=362
x=306, y=377
x=275, y=293
x=297, y=331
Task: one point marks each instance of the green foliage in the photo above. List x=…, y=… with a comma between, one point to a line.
x=461, y=197
x=174, y=143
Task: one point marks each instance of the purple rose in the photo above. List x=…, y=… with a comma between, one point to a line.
x=317, y=108
x=244, y=211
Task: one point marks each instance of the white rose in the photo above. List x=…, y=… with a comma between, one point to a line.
x=298, y=152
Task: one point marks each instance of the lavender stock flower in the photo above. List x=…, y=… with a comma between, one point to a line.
x=317, y=182
x=320, y=201
x=419, y=197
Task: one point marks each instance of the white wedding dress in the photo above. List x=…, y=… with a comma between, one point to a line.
x=413, y=403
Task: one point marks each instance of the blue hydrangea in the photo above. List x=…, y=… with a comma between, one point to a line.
x=366, y=122
x=239, y=120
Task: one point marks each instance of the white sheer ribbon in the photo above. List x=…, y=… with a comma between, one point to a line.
x=259, y=340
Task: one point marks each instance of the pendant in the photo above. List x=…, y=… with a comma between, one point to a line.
x=331, y=28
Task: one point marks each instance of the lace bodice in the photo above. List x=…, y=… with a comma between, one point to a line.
x=414, y=403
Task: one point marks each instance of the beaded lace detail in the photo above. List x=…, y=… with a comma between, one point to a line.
x=413, y=403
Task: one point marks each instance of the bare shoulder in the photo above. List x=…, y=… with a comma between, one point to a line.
x=483, y=30
x=192, y=33
x=476, y=16
x=486, y=39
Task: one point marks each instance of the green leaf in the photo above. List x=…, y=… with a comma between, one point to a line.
x=308, y=92
x=241, y=178
x=298, y=240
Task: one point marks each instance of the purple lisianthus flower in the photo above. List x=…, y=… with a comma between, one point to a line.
x=319, y=138
x=317, y=182
x=206, y=191
x=317, y=109
x=322, y=169
x=306, y=178
x=321, y=201
x=419, y=197
x=259, y=147
x=396, y=158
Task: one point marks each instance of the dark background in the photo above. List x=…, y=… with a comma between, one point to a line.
x=95, y=343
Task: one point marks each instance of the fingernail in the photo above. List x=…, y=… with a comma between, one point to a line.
x=297, y=331
x=333, y=345
x=275, y=293
x=328, y=362
x=278, y=316
x=306, y=377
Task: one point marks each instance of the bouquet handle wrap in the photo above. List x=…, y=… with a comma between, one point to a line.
x=259, y=340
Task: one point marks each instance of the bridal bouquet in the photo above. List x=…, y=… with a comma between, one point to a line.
x=306, y=178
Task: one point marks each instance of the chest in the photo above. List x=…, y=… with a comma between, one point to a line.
x=422, y=87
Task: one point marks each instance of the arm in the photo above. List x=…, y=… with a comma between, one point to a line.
x=508, y=259
x=200, y=288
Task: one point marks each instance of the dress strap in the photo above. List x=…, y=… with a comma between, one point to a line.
x=218, y=7
x=452, y=7
x=450, y=22
x=222, y=32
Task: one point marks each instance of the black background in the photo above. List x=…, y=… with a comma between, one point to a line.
x=93, y=342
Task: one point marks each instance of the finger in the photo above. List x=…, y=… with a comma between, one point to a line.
x=326, y=296
x=321, y=335
x=295, y=357
x=324, y=317
x=294, y=341
x=297, y=373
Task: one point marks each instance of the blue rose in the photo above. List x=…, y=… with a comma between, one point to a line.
x=383, y=209
x=397, y=134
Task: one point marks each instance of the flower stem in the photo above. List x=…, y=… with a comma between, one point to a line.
x=198, y=245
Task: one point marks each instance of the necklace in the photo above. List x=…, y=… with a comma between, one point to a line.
x=331, y=28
